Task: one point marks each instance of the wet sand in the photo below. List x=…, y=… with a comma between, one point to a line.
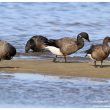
x=77, y=69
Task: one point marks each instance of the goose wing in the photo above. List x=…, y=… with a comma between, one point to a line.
x=66, y=41
x=94, y=48
x=39, y=41
x=7, y=51
x=67, y=45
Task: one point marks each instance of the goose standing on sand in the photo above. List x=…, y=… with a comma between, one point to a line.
x=99, y=52
x=66, y=46
x=7, y=51
x=36, y=43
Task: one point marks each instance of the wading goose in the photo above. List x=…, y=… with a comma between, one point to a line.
x=99, y=52
x=66, y=46
x=7, y=51
x=36, y=43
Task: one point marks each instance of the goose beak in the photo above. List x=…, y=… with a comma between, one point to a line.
x=88, y=40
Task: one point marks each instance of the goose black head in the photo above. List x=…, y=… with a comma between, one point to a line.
x=29, y=45
x=84, y=35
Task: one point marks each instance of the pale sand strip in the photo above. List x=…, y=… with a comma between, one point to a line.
x=49, y=67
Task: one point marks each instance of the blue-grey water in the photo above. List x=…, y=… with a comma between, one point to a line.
x=20, y=21
x=34, y=90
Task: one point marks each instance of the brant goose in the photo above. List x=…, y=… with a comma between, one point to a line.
x=7, y=51
x=99, y=52
x=66, y=46
x=36, y=43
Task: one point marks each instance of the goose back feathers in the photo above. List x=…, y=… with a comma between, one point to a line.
x=36, y=43
x=7, y=51
x=66, y=45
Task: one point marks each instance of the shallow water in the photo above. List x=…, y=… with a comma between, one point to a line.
x=20, y=21
x=35, y=90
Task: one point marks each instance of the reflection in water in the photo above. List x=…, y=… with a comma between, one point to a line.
x=34, y=90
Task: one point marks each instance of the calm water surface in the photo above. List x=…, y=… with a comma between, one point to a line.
x=20, y=21
x=34, y=90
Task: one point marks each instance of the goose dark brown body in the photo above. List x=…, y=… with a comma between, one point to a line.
x=36, y=43
x=69, y=45
x=7, y=51
x=99, y=52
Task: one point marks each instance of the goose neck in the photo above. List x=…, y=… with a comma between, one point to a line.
x=80, y=42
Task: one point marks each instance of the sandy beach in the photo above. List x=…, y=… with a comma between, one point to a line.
x=77, y=69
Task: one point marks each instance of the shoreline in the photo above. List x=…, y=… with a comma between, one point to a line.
x=47, y=67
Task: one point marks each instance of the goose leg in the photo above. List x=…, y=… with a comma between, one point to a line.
x=65, y=58
x=54, y=60
x=101, y=64
x=42, y=51
x=95, y=64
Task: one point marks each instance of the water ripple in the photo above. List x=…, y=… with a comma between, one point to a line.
x=20, y=21
x=35, y=90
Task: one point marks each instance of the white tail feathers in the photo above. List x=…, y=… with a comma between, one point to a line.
x=54, y=50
